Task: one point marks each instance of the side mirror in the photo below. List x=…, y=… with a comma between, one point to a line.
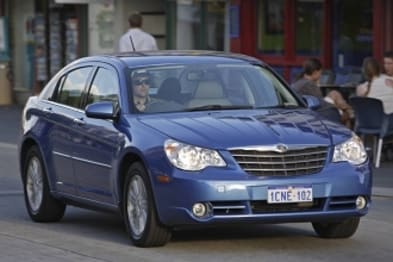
x=101, y=110
x=312, y=102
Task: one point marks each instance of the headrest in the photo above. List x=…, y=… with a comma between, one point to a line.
x=169, y=89
x=209, y=89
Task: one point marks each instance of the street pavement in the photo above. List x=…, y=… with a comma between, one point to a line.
x=10, y=117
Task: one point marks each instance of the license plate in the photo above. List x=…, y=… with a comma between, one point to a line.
x=291, y=194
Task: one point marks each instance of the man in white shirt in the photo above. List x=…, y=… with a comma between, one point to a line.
x=135, y=39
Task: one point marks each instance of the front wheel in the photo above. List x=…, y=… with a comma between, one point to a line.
x=40, y=204
x=343, y=229
x=139, y=211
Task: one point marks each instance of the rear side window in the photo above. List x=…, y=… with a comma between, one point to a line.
x=105, y=87
x=72, y=86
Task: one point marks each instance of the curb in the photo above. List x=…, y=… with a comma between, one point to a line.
x=8, y=146
x=382, y=192
x=11, y=192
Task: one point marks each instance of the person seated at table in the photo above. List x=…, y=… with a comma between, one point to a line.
x=377, y=84
x=388, y=67
x=307, y=84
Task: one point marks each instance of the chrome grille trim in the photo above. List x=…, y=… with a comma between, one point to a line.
x=279, y=162
x=298, y=160
x=275, y=155
x=282, y=169
x=229, y=207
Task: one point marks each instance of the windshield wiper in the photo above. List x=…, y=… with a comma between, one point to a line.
x=218, y=107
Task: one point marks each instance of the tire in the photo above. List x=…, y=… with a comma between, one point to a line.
x=343, y=229
x=40, y=204
x=140, y=216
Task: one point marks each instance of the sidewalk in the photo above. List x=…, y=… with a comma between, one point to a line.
x=383, y=180
x=10, y=117
x=10, y=128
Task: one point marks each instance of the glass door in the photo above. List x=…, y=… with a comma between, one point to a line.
x=290, y=31
x=201, y=24
x=352, y=32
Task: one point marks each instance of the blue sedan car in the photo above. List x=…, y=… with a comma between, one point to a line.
x=174, y=139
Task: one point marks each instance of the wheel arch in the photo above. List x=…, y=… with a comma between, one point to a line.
x=127, y=160
x=28, y=143
x=24, y=148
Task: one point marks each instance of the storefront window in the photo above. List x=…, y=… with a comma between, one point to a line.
x=309, y=21
x=271, y=26
x=352, y=32
x=201, y=24
x=215, y=30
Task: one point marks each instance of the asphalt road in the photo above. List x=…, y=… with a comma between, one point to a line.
x=91, y=236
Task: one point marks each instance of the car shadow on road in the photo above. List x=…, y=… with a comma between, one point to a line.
x=241, y=232
x=109, y=228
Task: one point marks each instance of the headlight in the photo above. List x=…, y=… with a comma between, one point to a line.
x=351, y=151
x=191, y=158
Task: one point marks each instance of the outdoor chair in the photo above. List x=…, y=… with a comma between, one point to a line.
x=370, y=119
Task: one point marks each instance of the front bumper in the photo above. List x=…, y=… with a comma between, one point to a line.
x=239, y=198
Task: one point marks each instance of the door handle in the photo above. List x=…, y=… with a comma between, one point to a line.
x=79, y=121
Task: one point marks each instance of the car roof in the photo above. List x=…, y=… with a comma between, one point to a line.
x=175, y=56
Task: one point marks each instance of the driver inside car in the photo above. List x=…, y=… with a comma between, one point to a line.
x=141, y=86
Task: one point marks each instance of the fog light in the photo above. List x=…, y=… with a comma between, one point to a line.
x=199, y=209
x=361, y=202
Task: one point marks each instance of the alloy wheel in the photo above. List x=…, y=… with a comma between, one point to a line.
x=137, y=205
x=34, y=184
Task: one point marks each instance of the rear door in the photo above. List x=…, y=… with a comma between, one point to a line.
x=64, y=110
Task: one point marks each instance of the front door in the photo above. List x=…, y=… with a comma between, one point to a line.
x=98, y=142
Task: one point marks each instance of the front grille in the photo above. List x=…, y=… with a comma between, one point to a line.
x=259, y=207
x=290, y=163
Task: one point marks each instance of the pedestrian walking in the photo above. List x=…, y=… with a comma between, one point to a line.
x=135, y=39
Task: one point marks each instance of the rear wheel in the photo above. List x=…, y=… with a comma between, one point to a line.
x=343, y=229
x=139, y=211
x=40, y=204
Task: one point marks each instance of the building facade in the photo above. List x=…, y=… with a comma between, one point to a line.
x=339, y=32
x=38, y=37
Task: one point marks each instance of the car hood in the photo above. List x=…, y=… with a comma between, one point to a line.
x=226, y=129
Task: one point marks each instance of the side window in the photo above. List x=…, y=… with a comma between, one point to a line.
x=105, y=87
x=71, y=89
x=49, y=92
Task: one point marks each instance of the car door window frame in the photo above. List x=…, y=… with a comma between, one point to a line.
x=60, y=85
x=93, y=76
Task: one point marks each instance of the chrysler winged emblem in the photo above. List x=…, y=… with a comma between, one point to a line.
x=281, y=148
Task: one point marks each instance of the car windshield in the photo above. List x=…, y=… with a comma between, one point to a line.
x=200, y=87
